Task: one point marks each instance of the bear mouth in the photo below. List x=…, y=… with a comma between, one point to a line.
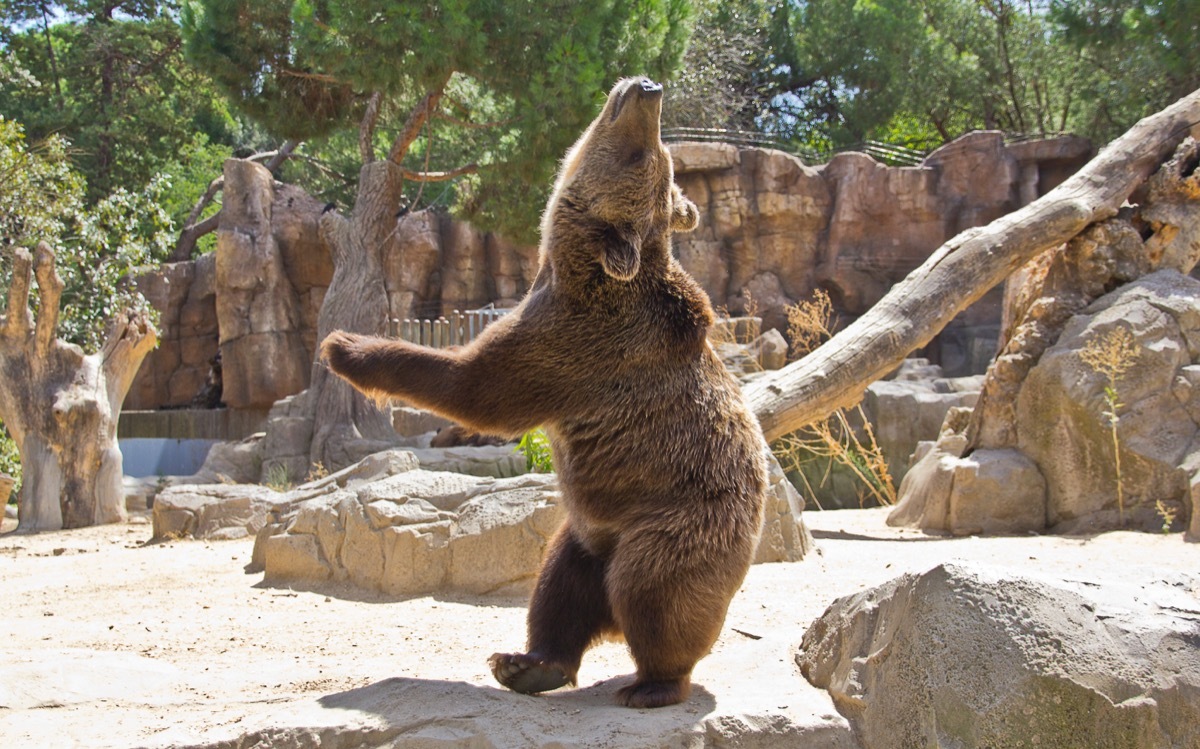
x=641, y=89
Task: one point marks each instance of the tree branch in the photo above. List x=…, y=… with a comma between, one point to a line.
x=17, y=322
x=958, y=273
x=416, y=120
x=366, y=129
x=190, y=235
x=191, y=230
x=50, y=286
x=278, y=157
x=213, y=188
x=131, y=338
x=439, y=176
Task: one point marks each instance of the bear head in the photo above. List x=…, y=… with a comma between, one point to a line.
x=615, y=202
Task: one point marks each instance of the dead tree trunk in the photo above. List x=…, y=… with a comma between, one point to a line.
x=960, y=272
x=356, y=301
x=61, y=407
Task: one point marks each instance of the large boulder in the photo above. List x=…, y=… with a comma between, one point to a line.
x=1060, y=410
x=421, y=531
x=219, y=511
x=417, y=532
x=910, y=406
x=973, y=658
x=191, y=509
x=1062, y=471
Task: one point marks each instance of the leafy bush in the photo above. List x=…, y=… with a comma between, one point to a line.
x=10, y=461
x=98, y=248
x=535, y=446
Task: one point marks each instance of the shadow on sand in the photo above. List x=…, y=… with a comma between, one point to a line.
x=456, y=710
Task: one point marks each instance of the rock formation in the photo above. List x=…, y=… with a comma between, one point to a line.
x=1040, y=451
x=772, y=229
x=385, y=524
x=970, y=657
x=778, y=228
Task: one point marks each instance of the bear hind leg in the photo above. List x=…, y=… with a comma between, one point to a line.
x=670, y=613
x=569, y=612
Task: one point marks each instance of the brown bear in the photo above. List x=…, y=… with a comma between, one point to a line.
x=662, y=466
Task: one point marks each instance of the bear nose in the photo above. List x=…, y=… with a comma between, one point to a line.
x=650, y=86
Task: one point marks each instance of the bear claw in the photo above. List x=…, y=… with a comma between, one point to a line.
x=527, y=673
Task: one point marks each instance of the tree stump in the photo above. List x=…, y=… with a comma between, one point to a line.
x=61, y=406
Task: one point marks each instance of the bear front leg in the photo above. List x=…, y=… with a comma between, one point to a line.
x=491, y=386
x=568, y=614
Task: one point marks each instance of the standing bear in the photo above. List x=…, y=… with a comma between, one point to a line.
x=662, y=466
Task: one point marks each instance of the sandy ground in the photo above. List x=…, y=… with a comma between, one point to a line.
x=111, y=641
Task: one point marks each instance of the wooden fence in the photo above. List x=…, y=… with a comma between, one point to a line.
x=457, y=329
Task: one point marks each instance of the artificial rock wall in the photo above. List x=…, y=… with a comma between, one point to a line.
x=772, y=229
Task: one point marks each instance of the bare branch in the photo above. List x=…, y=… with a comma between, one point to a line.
x=366, y=128
x=309, y=76
x=17, y=322
x=213, y=188
x=439, y=176
x=416, y=120
x=191, y=230
x=50, y=286
x=278, y=157
x=190, y=235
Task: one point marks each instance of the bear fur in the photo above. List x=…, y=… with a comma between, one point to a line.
x=662, y=465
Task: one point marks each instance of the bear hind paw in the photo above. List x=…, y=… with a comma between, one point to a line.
x=654, y=693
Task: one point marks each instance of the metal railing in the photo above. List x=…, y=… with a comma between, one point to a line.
x=456, y=329
x=885, y=153
x=717, y=135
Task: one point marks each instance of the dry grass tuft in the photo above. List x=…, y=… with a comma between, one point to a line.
x=1112, y=355
x=811, y=323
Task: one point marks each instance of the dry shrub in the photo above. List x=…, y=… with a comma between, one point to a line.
x=1111, y=355
x=811, y=323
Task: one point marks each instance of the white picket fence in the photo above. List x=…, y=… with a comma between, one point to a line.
x=457, y=329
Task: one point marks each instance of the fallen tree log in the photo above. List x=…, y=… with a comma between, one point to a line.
x=961, y=271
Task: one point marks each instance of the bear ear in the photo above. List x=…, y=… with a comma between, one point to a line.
x=684, y=215
x=622, y=253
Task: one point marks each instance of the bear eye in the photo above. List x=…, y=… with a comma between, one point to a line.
x=636, y=156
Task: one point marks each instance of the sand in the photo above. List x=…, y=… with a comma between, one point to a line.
x=112, y=641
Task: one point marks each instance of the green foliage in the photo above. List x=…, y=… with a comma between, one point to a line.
x=911, y=71
x=278, y=478
x=121, y=233
x=40, y=194
x=10, y=461
x=109, y=77
x=535, y=446
x=1140, y=56
x=98, y=247
x=522, y=79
